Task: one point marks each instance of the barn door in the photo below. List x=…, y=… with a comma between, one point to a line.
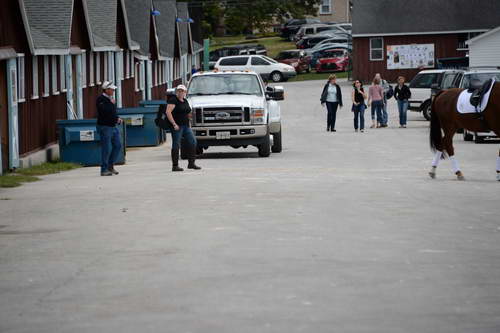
x=4, y=117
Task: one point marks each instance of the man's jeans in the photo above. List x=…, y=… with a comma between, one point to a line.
x=110, y=146
x=359, y=116
x=184, y=131
x=377, y=108
x=403, y=108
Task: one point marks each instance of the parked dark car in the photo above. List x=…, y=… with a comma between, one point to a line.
x=291, y=27
x=334, y=60
x=295, y=58
x=242, y=49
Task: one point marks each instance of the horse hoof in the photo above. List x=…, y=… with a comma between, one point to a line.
x=432, y=175
x=460, y=177
x=498, y=177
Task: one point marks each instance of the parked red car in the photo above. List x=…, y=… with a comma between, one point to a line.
x=295, y=58
x=334, y=60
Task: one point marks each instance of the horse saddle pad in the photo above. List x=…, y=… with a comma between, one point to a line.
x=464, y=104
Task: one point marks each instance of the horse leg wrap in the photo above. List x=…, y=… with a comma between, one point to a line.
x=498, y=164
x=437, y=158
x=454, y=164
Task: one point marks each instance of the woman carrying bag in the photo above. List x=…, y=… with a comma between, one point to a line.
x=179, y=114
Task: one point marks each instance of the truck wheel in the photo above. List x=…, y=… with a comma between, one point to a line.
x=478, y=139
x=467, y=135
x=276, y=76
x=276, y=147
x=265, y=147
x=426, y=110
x=199, y=150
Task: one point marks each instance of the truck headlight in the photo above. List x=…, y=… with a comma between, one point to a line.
x=258, y=116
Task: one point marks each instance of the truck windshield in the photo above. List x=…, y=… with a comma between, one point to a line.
x=220, y=84
x=477, y=79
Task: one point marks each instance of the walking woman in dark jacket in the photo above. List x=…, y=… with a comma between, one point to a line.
x=402, y=94
x=332, y=97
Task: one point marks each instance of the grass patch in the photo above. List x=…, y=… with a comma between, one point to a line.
x=274, y=45
x=48, y=168
x=317, y=76
x=15, y=180
x=29, y=174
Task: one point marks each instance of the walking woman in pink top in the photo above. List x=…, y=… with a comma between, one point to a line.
x=376, y=99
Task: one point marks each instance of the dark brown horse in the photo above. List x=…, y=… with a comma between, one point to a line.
x=446, y=119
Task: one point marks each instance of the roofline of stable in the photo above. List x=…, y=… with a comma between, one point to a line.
x=387, y=34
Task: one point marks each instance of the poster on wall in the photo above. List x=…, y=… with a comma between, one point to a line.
x=410, y=56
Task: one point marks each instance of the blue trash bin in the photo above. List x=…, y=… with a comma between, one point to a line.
x=79, y=142
x=141, y=128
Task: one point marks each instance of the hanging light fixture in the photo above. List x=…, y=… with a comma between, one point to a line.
x=155, y=12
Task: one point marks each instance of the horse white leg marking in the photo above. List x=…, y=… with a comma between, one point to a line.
x=435, y=162
x=456, y=168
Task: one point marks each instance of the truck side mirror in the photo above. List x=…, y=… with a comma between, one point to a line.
x=277, y=93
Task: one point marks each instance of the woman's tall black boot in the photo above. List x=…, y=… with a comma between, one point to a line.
x=192, y=158
x=175, y=160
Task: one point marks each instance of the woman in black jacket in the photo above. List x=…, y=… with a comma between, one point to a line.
x=332, y=97
x=402, y=94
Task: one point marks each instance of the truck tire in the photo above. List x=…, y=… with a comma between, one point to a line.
x=276, y=147
x=467, y=135
x=478, y=139
x=184, y=150
x=265, y=147
x=426, y=110
x=276, y=76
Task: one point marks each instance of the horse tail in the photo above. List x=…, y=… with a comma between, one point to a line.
x=435, y=136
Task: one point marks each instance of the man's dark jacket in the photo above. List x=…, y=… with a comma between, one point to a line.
x=106, y=112
x=324, y=94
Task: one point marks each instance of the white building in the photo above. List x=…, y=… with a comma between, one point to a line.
x=484, y=50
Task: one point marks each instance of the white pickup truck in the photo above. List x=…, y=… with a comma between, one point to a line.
x=235, y=109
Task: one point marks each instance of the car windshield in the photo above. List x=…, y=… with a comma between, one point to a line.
x=477, y=79
x=220, y=84
x=270, y=60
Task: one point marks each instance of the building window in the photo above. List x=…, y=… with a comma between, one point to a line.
x=126, y=66
x=91, y=69
x=131, y=63
x=46, y=76
x=34, y=94
x=84, y=69
x=105, y=62
x=376, y=49
x=62, y=72
x=98, y=68
x=142, y=74
x=325, y=7
x=137, y=70
x=54, y=76
x=21, y=72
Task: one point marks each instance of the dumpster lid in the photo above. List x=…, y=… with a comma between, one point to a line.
x=138, y=110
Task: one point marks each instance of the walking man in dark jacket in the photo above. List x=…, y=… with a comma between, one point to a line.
x=107, y=119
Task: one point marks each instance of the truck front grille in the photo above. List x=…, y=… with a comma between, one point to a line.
x=221, y=115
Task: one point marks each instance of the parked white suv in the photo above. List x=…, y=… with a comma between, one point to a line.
x=421, y=84
x=267, y=68
x=235, y=109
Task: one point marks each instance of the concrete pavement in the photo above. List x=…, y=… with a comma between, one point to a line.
x=341, y=232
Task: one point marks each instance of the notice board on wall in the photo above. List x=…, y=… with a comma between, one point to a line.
x=410, y=56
